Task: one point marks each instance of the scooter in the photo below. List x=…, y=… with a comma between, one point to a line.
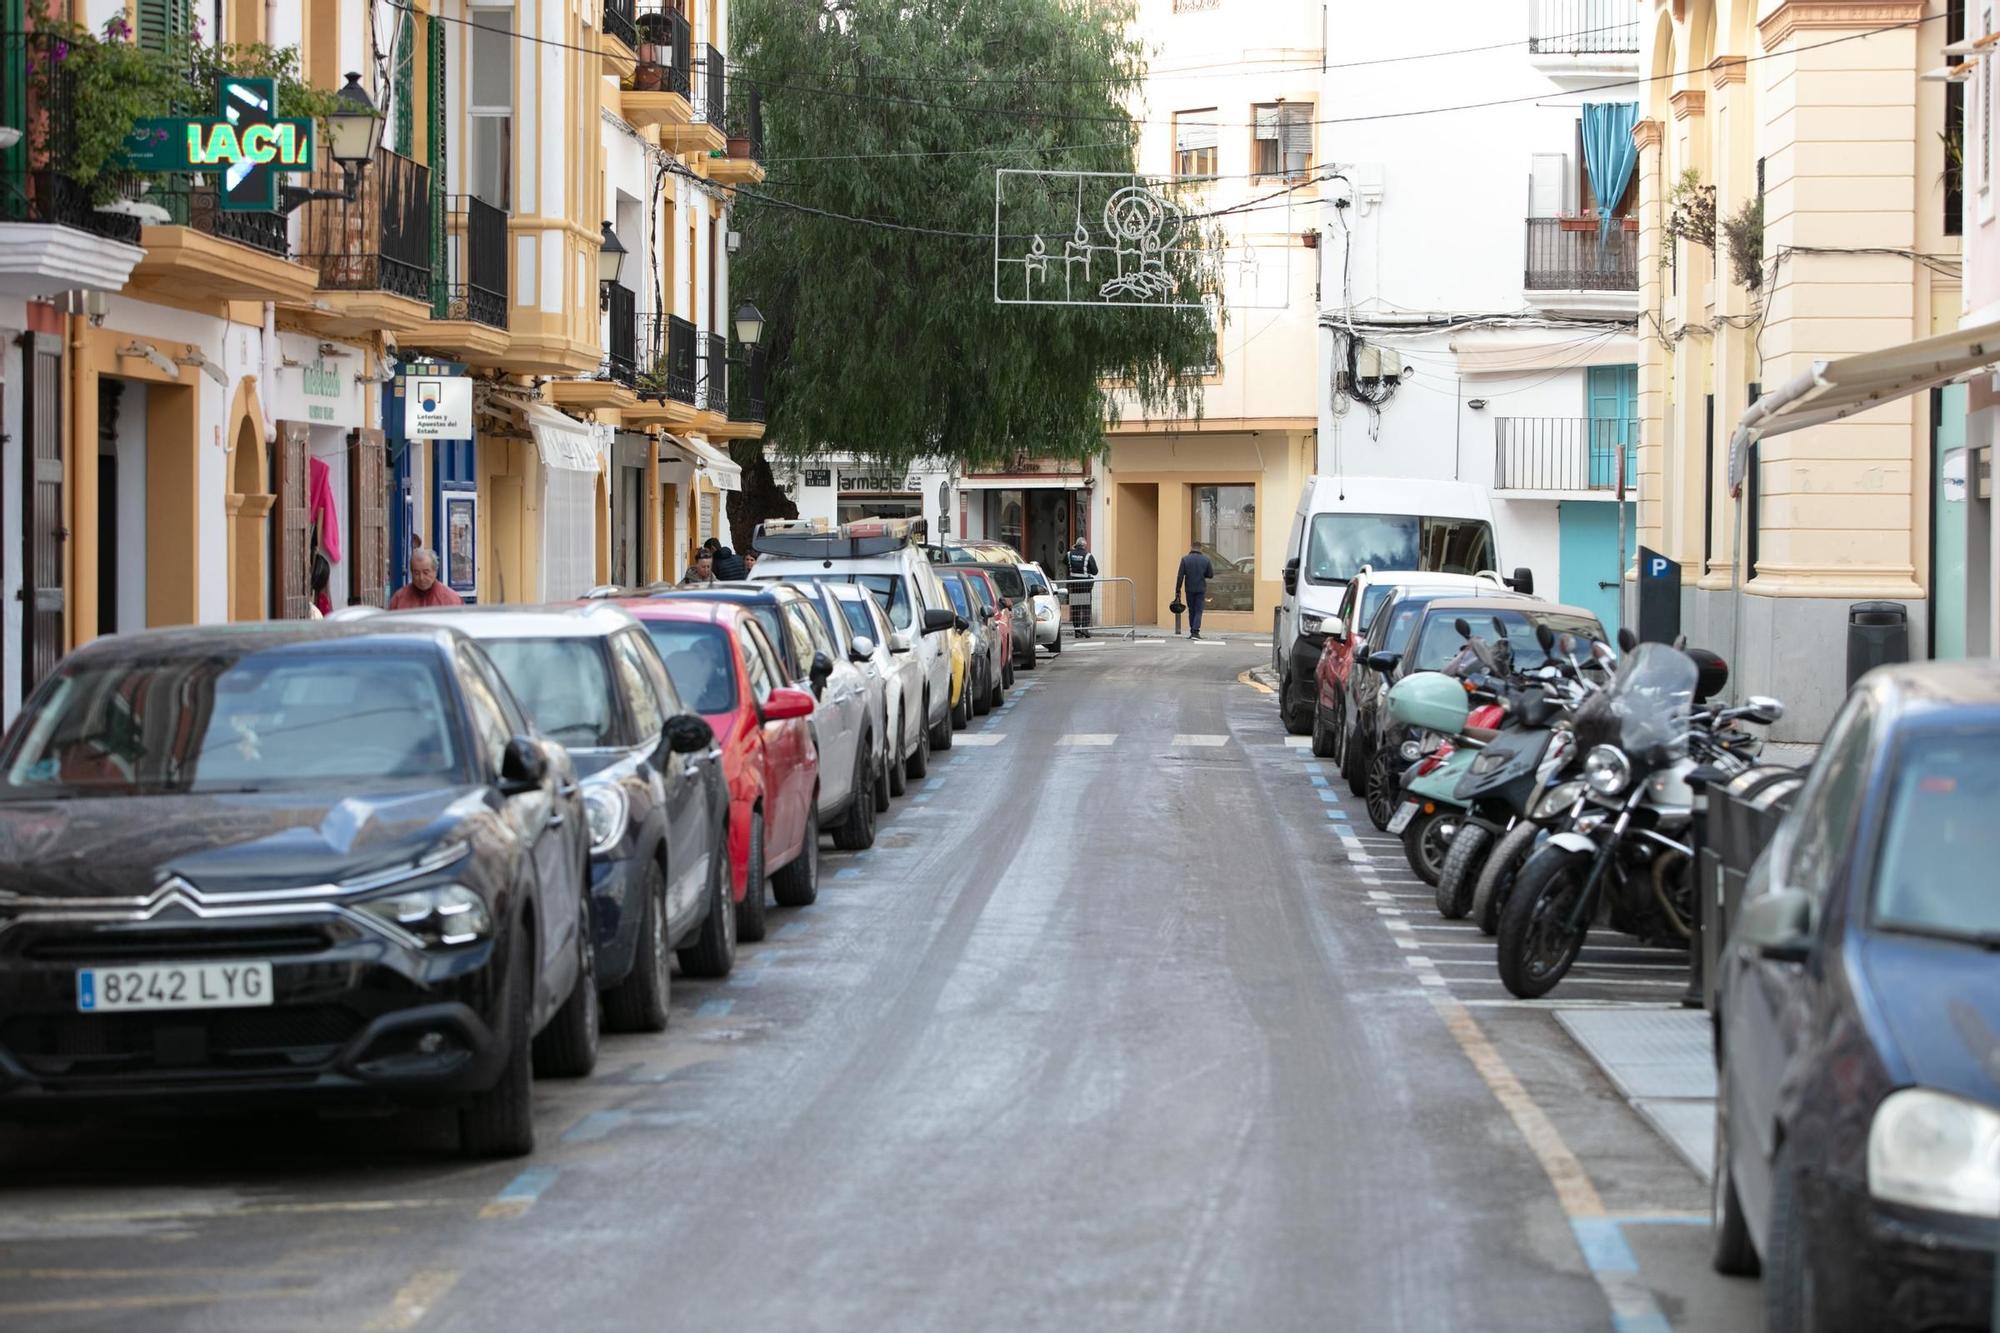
x=1431, y=814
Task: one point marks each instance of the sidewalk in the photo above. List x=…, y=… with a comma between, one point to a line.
x=1663, y=1062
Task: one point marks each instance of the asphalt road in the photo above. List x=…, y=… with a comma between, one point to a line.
x=1112, y=1030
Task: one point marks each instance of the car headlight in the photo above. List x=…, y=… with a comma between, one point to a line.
x=1309, y=624
x=1930, y=1150
x=1607, y=770
x=604, y=809
x=1558, y=799
x=444, y=914
x=1045, y=613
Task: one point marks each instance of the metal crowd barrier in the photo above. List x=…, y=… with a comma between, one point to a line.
x=1740, y=818
x=1129, y=628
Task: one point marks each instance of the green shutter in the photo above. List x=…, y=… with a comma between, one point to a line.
x=162, y=22
x=434, y=138
x=405, y=89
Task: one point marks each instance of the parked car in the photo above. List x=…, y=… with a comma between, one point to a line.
x=968, y=694
x=1049, y=605
x=991, y=651
x=986, y=584
x=1010, y=585
x=653, y=792
x=896, y=661
x=874, y=686
x=725, y=668
x=884, y=557
x=1344, y=638
x=263, y=862
x=841, y=726
x=1858, y=1022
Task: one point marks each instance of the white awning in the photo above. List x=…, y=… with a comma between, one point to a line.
x=1026, y=481
x=1831, y=390
x=565, y=444
x=719, y=466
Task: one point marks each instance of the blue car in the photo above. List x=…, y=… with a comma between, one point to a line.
x=1858, y=1022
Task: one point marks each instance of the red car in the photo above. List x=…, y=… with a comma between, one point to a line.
x=725, y=669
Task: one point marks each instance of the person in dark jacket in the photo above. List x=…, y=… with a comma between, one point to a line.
x=1194, y=575
x=1082, y=566
x=729, y=566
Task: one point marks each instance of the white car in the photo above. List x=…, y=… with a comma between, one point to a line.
x=894, y=663
x=858, y=650
x=1048, y=607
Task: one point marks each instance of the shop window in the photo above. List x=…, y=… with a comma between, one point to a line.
x=1224, y=522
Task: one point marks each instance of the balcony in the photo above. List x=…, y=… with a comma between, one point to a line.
x=619, y=25
x=660, y=89
x=1583, y=39
x=373, y=253
x=1564, y=457
x=54, y=238
x=744, y=163
x=207, y=253
x=708, y=107
x=468, y=293
x=712, y=379
x=746, y=398
x=615, y=385
x=667, y=372
x=1573, y=266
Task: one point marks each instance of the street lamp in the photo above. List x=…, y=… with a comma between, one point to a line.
x=354, y=133
x=749, y=324
x=610, y=260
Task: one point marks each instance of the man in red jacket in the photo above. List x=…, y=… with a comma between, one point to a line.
x=423, y=589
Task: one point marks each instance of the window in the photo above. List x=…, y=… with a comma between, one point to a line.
x=760, y=664
x=1195, y=137
x=490, y=168
x=1341, y=544
x=1824, y=819
x=1954, y=127
x=564, y=684
x=642, y=692
x=483, y=699
x=698, y=660
x=1940, y=822
x=1283, y=139
x=955, y=590
x=799, y=629
x=1224, y=523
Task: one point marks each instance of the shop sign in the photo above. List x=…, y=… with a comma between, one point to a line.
x=246, y=143
x=878, y=481
x=819, y=476
x=437, y=407
x=320, y=390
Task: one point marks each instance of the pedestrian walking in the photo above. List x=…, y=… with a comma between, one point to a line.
x=1082, y=569
x=1194, y=575
x=700, y=574
x=424, y=588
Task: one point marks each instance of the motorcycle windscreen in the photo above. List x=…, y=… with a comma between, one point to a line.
x=1651, y=698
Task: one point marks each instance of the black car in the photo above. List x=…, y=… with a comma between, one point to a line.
x=1858, y=1022
x=290, y=861
x=1013, y=586
x=653, y=794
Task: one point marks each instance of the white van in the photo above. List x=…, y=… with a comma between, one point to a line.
x=1385, y=523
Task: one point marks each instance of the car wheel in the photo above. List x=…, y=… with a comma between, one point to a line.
x=639, y=1002
x=940, y=735
x=1382, y=791
x=982, y=698
x=567, y=1047
x=1787, y=1283
x=903, y=768
x=857, y=831
x=1322, y=746
x=881, y=783
x=961, y=713
x=1298, y=721
x=756, y=886
x=713, y=952
x=500, y=1122
x=1027, y=663
x=1461, y=870
x=1006, y=678
x=999, y=695
x=1731, y=1251
x=1055, y=649
x=1356, y=769
x=797, y=884
x=1338, y=726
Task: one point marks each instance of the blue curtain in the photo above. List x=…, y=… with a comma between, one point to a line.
x=1609, y=155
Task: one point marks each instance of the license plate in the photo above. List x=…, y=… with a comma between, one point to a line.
x=1403, y=817
x=173, y=986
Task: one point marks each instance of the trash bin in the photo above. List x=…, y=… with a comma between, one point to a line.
x=1742, y=817
x=1878, y=633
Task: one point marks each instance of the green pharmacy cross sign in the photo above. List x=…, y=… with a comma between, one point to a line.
x=246, y=143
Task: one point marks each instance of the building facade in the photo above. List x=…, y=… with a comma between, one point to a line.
x=1837, y=233
x=1966, y=571
x=202, y=405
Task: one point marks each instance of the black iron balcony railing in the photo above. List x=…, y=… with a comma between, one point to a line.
x=665, y=50
x=710, y=100
x=618, y=22
x=746, y=124
x=621, y=340
x=712, y=390
x=669, y=364
x=476, y=277
x=380, y=241
x=1564, y=453
x=746, y=386
x=38, y=99
x=1584, y=28
x=1574, y=255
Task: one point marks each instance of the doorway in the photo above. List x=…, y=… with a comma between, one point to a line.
x=249, y=505
x=1136, y=522
x=121, y=505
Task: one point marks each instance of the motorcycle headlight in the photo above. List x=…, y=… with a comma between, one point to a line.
x=1607, y=770
x=1930, y=1150
x=1558, y=799
x=604, y=808
x=1412, y=750
x=1309, y=624
x=444, y=914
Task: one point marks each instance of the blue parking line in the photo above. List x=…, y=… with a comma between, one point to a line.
x=921, y=796
x=1317, y=779
x=747, y=976
x=528, y=1186
x=1603, y=1245
x=932, y=784
x=595, y=1126
x=792, y=930
x=714, y=1008
x=1327, y=794
x=847, y=872
x=1335, y=812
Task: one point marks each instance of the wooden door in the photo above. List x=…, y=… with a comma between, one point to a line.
x=291, y=536
x=368, y=499
x=43, y=592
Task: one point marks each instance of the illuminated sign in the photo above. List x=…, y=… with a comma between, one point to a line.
x=247, y=144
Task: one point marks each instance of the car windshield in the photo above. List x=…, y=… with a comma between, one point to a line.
x=858, y=622
x=1342, y=543
x=1441, y=641
x=1940, y=823
x=698, y=662
x=215, y=721
x=890, y=595
x=1011, y=580
x=565, y=684
x=956, y=591
x=981, y=590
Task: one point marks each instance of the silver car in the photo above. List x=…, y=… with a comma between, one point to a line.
x=895, y=664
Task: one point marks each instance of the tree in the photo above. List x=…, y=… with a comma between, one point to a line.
x=888, y=343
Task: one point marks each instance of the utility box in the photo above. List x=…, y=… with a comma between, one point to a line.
x=1878, y=634
x=1659, y=597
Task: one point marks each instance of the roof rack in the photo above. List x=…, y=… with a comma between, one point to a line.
x=817, y=540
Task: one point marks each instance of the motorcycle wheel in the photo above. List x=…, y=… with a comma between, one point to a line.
x=1462, y=864
x=1496, y=876
x=1427, y=842
x=1536, y=950
x=1382, y=791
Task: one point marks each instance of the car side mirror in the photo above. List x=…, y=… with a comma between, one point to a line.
x=862, y=649
x=1778, y=925
x=960, y=623
x=1334, y=628
x=899, y=642
x=1523, y=581
x=1291, y=578
x=523, y=767
x=1385, y=663
x=822, y=667
x=986, y=613
x=938, y=619
x=784, y=705
x=686, y=733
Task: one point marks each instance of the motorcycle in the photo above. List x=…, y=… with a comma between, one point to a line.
x=1430, y=817
x=1620, y=852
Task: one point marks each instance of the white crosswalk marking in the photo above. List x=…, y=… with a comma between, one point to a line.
x=1298, y=742
x=1088, y=738
x=980, y=738
x=1211, y=741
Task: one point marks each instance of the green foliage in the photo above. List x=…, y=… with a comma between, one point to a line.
x=1693, y=215
x=111, y=82
x=890, y=343
x=1744, y=231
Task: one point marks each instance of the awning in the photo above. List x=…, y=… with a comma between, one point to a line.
x=565, y=444
x=720, y=467
x=1832, y=390
x=1026, y=481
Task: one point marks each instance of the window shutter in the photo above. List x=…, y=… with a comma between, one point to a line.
x=434, y=142
x=291, y=535
x=368, y=502
x=404, y=93
x=1267, y=122
x=43, y=593
x=162, y=22
x=1193, y=136
x=1547, y=172
x=1295, y=137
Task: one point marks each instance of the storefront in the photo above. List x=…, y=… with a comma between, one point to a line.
x=711, y=474
x=1039, y=506
x=570, y=498
x=629, y=553
x=842, y=489
x=319, y=399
